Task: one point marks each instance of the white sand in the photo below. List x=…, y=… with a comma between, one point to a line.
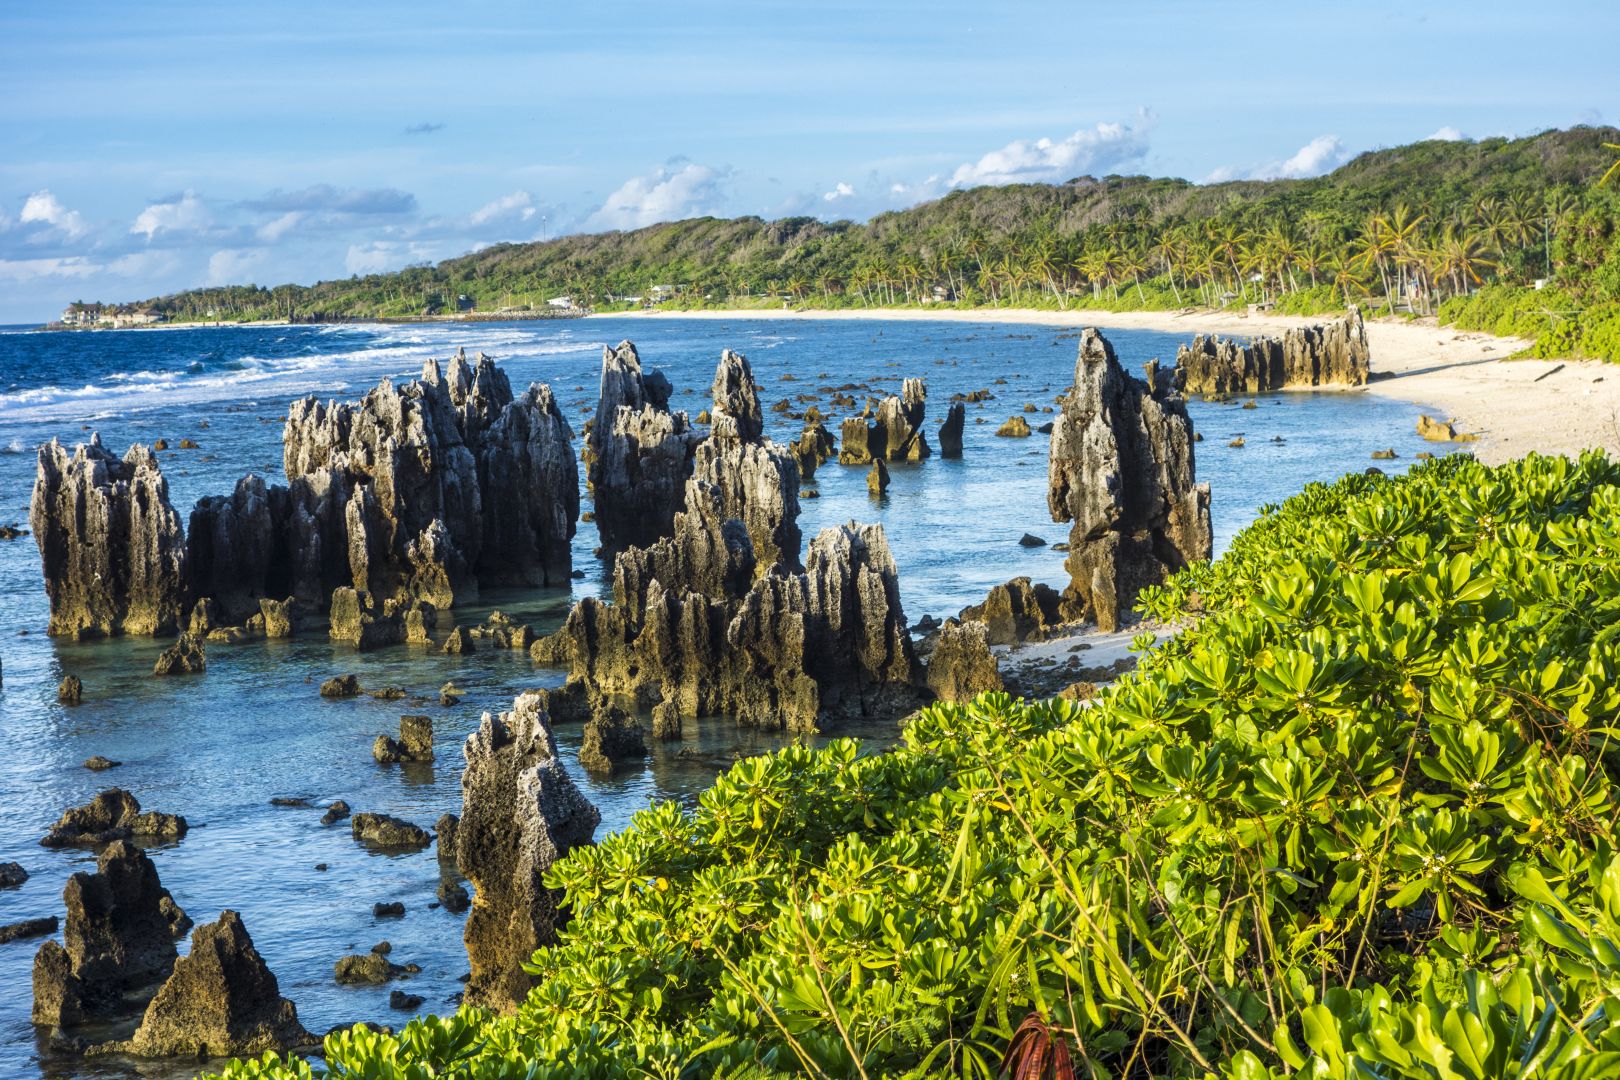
x=1514, y=406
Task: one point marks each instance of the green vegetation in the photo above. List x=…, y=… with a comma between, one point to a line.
x=1357, y=820
x=1402, y=230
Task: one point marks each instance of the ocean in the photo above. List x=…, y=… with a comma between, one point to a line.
x=219, y=747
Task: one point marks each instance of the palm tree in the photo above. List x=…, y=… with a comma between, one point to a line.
x=1460, y=256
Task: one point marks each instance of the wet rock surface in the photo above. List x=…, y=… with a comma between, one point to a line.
x=12, y=875
x=114, y=814
x=118, y=940
x=415, y=742
x=520, y=813
x=388, y=833
x=184, y=657
x=1121, y=470
x=1333, y=353
x=27, y=928
x=221, y=1000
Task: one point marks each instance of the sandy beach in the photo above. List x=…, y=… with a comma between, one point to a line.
x=1515, y=406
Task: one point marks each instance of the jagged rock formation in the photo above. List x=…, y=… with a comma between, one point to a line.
x=119, y=940
x=1332, y=353
x=415, y=742
x=961, y=666
x=1018, y=611
x=388, y=832
x=12, y=875
x=896, y=434
x=638, y=453
x=114, y=814
x=950, y=431
x=113, y=552
x=814, y=448
x=416, y=493
x=520, y=813
x=221, y=1001
x=611, y=734
x=1121, y=469
x=70, y=691
x=184, y=657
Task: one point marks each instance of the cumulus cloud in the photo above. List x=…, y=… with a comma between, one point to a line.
x=1446, y=134
x=179, y=213
x=272, y=231
x=233, y=266
x=678, y=190
x=326, y=199
x=519, y=205
x=377, y=256
x=1321, y=155
x=44, y=208
x=1100, y=149
x=840, y=191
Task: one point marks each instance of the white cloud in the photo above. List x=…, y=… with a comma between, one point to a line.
x=378, y=256
x=519, y=204
x=1321, y=155
x=44, y=208
x=1446, y=134
x=840, y=191
x=1102, y=148
x=185, y=213
x=271, y=231
x=233, y=266
x=668, y=194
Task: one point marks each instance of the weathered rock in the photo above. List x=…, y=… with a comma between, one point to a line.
x=415, y=742
x=1030, y=540
x=877, y=477
x=736, y=412
x=390, y=833
x=70, y=691
x=458, y=642
x=520, y=813
x=111, y=545
x=1122, y=470
x=357, y=619
x=280, y=617
x=611, y=735
x=117, y=941
x=12, y=875
x=1327, y=354
x=390, y=910
x=335, y=812
x=114, y=814
x=1016, y=427
x=961, y=666
x=666, y=721
x=1017, y=611
x=365, y=969
x=895, y=435
x=454, y=898
x=184, y=657
x=100, y=764
x=639, y=453
x=399, y=999
x=444, y=837
x=950, y=432
x=27, y=928
x=221, y=1001
x=341, y=686
x=814, y=448
x=1442, y=431
x=504, y=632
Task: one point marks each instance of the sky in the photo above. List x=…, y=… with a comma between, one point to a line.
x=146, y=148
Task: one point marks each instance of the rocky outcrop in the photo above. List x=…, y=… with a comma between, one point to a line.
x=895, y=435
x=736, y=413
x=357, y=619
x=12, y=875
x=612, y=734
x=638, y=453
x=111, y=546
x=1441, y=431
x=1329, y=354
x=1121, y=470
x=70, y=691
x=184, y=657
x=813, y=449
x=520, y=813
x=961, y=666
x=28, y=928
x=950, y=431
x=114, y=814
x=415, y=493
x=1018, y=611
x=118, y=940
x=388, y=833
x=220, y=1001
x=415, y=742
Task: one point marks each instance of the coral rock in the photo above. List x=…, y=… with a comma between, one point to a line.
x=1327, y=354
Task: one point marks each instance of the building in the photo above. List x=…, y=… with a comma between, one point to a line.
x=82, y=314
x=561, y=303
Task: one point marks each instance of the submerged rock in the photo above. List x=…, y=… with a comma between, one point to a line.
x=1122, y=470
x=1327, y=354
x=520, y=813
x=221, y=1001
x=12, y=875
x=365, y=969
x=111, y=546
x=335, y=812
x=97, y=763
x=184, y=657
x=387, y=832
x=114, y=814
x=415, y=742
x=341, y=686
x=27, y=928
x=118, y=940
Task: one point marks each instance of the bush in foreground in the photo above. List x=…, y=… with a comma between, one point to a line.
x=1357, y=820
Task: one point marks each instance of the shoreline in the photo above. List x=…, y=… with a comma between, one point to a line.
x=1514, y=406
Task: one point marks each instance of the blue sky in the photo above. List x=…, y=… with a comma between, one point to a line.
x=155, y=146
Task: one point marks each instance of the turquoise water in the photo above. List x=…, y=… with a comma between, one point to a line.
x=219, y=747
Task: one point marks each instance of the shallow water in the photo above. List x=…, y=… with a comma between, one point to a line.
x=217, y=748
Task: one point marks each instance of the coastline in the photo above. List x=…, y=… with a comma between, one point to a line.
x=1515, y=406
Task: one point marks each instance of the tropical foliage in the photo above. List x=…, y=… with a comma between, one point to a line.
x=1401, y=230
x=1356, y=820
